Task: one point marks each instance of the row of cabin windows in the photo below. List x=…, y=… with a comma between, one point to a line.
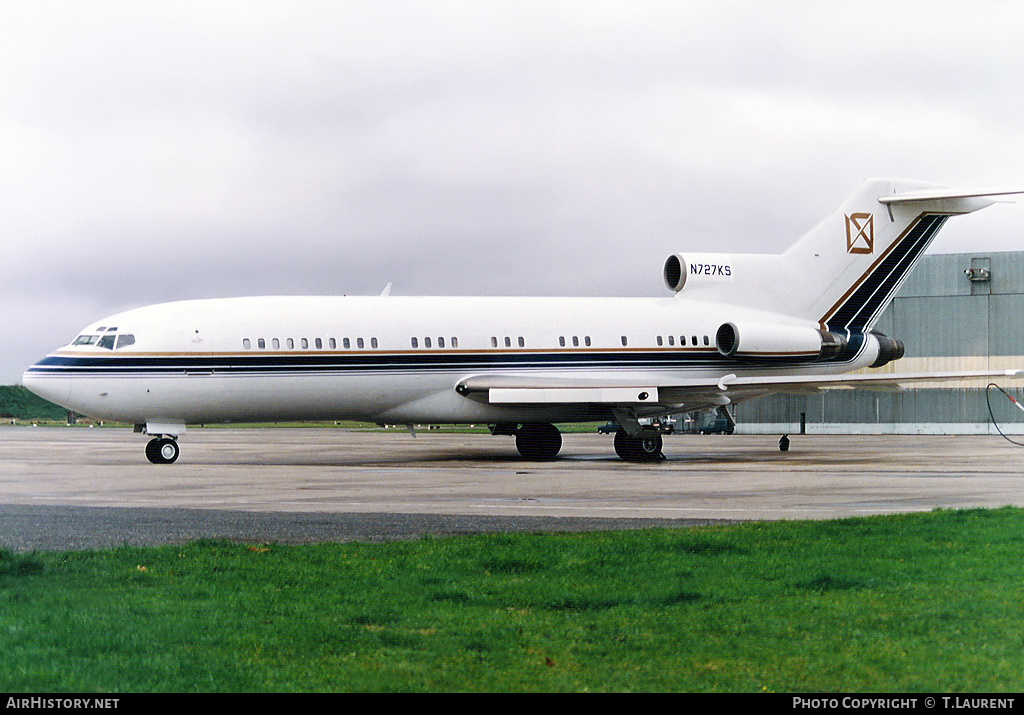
x=576, y=341
x=682, y=340
x=304, y=343
x=427, y=342
x=359, y=343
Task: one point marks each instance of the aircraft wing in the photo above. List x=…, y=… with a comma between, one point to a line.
x=658, y=390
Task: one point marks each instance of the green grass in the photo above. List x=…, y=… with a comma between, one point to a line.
x=18, y=403
x=922, y=602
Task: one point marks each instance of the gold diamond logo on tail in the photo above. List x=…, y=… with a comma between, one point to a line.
x=860, y=233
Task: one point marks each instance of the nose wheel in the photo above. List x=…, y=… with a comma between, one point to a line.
x=162, y=450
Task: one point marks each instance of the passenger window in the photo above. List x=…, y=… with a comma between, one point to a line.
x=261, y=344
x=660, y=341
x=373, y=342
x=522, y=343
x=508, y=342
x=586, y=340
x=561, y=341
x=415, y=342
x=332, y=343
x=623, y=341
x=291, y=343
x=359, y=343
x=440, y=342
x=426, y=342
x=246, y=343
x=694, y=339
x=319, y=344
x=305, y=343
x=276, y=344
x=494, y=342
x=672, y=340
x=575, y=341
x=455, y=342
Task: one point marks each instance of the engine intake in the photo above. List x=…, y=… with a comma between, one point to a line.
x=698, y=269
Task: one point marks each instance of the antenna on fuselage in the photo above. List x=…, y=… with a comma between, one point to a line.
x=386, y=291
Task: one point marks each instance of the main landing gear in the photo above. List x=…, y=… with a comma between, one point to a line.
x=162, y=450
x=543, y=441
x=644, y=447
x=538, y=441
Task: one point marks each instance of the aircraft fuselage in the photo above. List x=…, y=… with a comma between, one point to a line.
x=392, y=359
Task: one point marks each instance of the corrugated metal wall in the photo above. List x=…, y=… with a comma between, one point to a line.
x=947, y=322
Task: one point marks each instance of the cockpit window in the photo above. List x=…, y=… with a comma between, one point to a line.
x=108, y=341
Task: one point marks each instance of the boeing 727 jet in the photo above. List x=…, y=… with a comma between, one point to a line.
x=738, y=326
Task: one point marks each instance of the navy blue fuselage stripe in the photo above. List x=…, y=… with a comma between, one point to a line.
x=261, y=363
x=863, y=306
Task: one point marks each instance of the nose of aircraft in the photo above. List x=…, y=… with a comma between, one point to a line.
x=54, y=388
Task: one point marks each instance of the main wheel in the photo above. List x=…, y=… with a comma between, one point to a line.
x=162, y=450
x=648, y=447
x=538, y=441
x=623, y=444
x=645, y=447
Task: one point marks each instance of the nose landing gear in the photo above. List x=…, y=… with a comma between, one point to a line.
x=162, y=450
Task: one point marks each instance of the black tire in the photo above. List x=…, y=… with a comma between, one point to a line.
x=162, y=450
x=623, y=445
x=644, y=448
x=538, y=441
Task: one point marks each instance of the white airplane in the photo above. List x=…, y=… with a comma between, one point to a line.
x=740, y=326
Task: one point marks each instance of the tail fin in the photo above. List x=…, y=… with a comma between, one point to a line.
x=843, y=272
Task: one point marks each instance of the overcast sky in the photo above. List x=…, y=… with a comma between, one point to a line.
x=154, y=151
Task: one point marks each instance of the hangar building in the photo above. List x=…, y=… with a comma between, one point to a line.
x=954, y=312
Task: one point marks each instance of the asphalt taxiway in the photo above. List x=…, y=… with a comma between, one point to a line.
x=80, y=488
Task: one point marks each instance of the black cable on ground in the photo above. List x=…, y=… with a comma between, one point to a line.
x=988, y=401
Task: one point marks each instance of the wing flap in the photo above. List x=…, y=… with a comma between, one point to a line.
x=861, y=380
x=636, y=395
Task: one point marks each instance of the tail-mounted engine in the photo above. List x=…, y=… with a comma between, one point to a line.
x=889, y=349
x=699, y=269
x=777, y=341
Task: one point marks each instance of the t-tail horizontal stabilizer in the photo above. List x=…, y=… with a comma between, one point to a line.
x=842, y=273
